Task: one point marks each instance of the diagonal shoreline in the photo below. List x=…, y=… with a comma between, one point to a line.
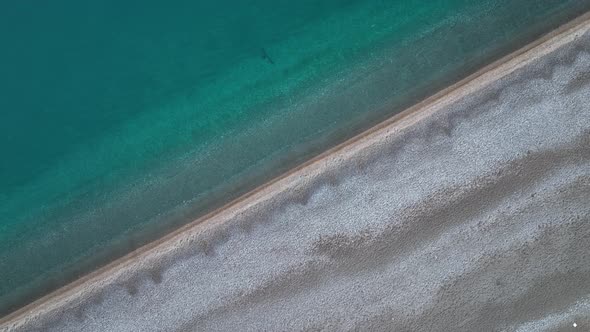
x=169, y=244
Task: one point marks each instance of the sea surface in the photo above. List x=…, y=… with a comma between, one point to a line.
x=122, y=120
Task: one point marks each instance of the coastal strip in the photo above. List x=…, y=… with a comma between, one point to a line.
x=427, y=125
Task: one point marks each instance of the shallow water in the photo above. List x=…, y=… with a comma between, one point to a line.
x=120, y=122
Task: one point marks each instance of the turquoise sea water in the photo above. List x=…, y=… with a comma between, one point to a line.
x=122, y=120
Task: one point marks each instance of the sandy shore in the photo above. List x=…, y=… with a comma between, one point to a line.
x=467, y=211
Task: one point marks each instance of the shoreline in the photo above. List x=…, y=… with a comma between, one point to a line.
x=171, y=243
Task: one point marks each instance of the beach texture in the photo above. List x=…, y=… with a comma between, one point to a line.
x=122, y=122
x=468, y=212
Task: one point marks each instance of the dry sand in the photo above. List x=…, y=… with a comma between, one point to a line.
x=470, y=211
